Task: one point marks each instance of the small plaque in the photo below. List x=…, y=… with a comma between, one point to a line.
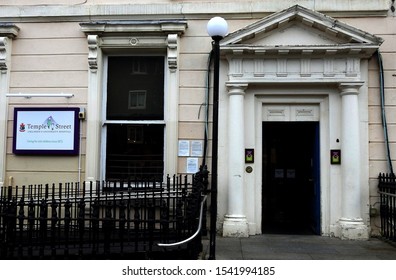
x=249, y=155
x=335, y=156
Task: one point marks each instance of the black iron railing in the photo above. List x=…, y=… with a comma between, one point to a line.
x=111, y=220
x=387, y=191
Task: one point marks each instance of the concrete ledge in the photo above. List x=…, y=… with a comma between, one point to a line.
x=244, y=9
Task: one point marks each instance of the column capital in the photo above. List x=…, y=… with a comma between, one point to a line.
x=349, y=88
x=236, y=88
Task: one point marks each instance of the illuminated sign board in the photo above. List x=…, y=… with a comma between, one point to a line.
x=46, y=131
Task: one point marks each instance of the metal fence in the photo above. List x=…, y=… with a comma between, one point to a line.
x=104, y=220
x=387, y=191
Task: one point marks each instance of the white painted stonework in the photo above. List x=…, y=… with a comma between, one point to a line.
x=235, y=223
x=8, y=31
x=296, y=65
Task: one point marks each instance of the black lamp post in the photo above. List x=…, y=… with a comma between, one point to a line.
x=217, y=28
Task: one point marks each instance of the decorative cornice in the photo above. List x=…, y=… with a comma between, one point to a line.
x=147, y=34
x=134, y=27
x=9, y=30
x=301, y=69
x=296, y=51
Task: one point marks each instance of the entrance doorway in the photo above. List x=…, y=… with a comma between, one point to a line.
x=291, y=190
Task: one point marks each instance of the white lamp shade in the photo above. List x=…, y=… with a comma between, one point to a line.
x=217, y=26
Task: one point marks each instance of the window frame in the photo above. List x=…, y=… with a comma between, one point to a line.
x=114, y=37
x=106, y=122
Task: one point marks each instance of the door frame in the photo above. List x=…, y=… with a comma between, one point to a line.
x=320, y=99
x=313, y=201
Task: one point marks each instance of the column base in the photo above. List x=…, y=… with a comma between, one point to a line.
x=235, y=226
x=352, y=229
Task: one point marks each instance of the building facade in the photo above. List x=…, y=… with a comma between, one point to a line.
x=109, y=90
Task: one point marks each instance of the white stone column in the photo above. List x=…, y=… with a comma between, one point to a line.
x=351, y=223
x=235, y=222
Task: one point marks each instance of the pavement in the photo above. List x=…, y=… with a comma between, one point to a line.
x=299, y=247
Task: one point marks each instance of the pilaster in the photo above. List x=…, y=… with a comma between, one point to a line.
x=4, y=78
x=171, y=111
x=7, y=33
x=94, y=109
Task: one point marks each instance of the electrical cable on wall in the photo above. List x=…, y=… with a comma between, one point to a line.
x=383, y=115
x=207, y=108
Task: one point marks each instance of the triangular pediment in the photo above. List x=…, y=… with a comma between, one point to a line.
x=300, y=28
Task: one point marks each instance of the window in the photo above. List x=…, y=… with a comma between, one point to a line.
x=139, y=68
x=134, y=124
x=107, y=39
x=137, y=99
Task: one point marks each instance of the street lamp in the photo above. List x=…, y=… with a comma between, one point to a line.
x=217, y=28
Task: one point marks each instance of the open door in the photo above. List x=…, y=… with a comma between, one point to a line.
x=291, y=183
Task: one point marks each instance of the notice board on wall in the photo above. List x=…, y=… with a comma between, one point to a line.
x=41, y=131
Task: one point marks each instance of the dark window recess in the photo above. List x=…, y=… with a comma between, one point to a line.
x=135, y=92
x=134, y=152
x=135, y=88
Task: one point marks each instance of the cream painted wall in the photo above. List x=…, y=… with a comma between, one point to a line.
x=47, y=58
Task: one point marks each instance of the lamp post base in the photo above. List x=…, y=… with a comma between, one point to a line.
x=235, y=226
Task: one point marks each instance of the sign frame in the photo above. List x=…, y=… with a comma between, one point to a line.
x=69, y=125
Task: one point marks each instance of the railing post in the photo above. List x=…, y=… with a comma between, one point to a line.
x=11, y=216
x=43, y=226
x=95, y=226
x=107, y=227
x=31, y=221
x=151, y=223
x=121, y=224
x=164, y=220
x=21, y=218
x=67, y=221
x=54, y=221
x=81, y=226
x=136, y=222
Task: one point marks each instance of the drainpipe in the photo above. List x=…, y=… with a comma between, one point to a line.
x=383, y=116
